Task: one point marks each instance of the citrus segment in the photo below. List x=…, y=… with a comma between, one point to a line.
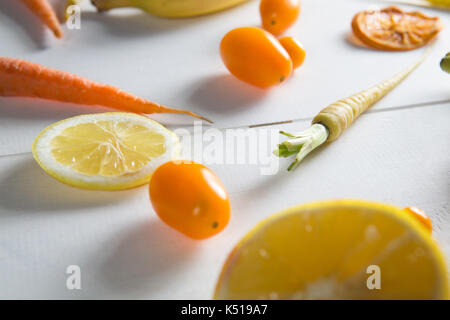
x=393, y=29
x=104, y=151
x=327, y=251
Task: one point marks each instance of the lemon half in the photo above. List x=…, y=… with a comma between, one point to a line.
x=336, y=250
x=106, y=151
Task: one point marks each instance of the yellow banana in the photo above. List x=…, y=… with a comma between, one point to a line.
x=438, y=4
x=169, y=8
x=442, y=3
x=69, y=3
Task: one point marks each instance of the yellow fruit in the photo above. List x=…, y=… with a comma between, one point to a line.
x=440, y=3
x=169, y=8
x=106, y=151
x=330, y=250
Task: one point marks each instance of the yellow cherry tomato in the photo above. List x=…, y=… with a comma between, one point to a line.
x=255, y=56
x=421, y=216
x=278, y=15
x=190, y=198
x=295, y=50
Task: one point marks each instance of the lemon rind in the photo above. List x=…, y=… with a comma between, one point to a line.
x=67, y=175
x=442, y=293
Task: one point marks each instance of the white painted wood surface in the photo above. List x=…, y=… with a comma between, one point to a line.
x=397, y=153
x=177, y=63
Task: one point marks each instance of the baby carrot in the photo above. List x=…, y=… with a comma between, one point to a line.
x=19, y=78
x=43, y=10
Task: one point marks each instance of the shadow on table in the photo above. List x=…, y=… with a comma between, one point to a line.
x=270, y=183
x=132, y=22
x=28, y=188
x=352, y=40
x=33, y=108
x=144, y=255
x=136, y=23
x=224, y=94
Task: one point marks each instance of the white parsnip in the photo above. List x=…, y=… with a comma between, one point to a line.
x=340, y=115
x=332, y=121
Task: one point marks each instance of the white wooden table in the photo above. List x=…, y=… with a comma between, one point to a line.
x=397, y=153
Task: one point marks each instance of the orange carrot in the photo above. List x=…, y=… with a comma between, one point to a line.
x=44, y=11
x=19, y=78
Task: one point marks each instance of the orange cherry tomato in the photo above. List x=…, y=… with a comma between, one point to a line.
x=421, y=216
x=295, y=50
x=278, y=15
x=255, y=56
x=190, y=198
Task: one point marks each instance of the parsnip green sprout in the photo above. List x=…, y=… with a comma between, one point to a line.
x=332, y=121
x=302, y=143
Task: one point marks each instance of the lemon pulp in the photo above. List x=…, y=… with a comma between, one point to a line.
x=327, y=250
x=106, y=151
x=107, y=148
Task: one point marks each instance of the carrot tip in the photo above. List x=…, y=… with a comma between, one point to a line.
x=206, y=119
x=199, y=117
x=58, y=33
x=194, y=115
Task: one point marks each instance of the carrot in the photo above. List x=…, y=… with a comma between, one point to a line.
x=332, y=121
x=19, y=78
x=44, y=11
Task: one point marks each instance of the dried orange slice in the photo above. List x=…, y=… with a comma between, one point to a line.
x=395, y=30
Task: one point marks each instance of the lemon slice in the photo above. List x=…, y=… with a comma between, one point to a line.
x=335, y=250
x=106, y=151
